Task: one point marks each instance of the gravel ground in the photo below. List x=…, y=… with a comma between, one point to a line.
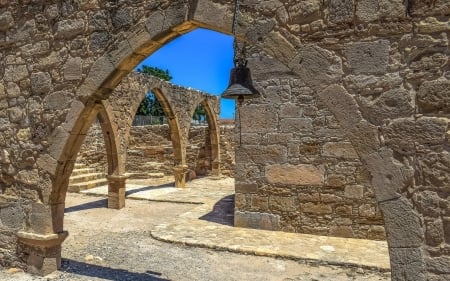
x=107, y=244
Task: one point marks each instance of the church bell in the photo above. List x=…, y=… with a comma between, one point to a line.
x=240, y=86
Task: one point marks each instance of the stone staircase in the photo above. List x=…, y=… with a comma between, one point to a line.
x=83, y=178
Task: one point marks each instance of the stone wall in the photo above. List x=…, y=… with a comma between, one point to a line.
x=296, y=170
x=150, y=150
x=380, y=67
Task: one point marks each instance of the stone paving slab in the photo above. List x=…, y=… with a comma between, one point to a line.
x=191, y=228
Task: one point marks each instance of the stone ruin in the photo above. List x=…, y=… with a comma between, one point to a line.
x=356, y=108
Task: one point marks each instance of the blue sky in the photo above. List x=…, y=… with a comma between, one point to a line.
x=201, y=59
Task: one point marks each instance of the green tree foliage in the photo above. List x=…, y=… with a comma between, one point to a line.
x=199, y=113
x=150, y=104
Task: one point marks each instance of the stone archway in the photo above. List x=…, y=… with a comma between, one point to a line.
x=178, y=104
x=280, y=30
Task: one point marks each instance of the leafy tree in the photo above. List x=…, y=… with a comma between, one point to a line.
x=150, y=105
x=199, y=113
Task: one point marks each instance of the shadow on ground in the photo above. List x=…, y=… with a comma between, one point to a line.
x=223, y=211
x=107, y=273
x=102, y=203
x=150, y=187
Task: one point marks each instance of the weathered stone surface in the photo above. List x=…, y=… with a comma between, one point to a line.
x=41, y=83
x=407, y=264
x=15, y=73
x=57, y=100
x=296, y=124
x=402, y=223
x=69, y=28
x=299, y=175
x=433, y=167
x=425, y=130
x=317, y=67
x=354, y=191
x=391, y=104
x=434, y=232
x=258, y=118
x=341, y=231
x=283, y=204
x=387, y=177
x=122, y=17
x=343, y=150
x=256, y=220
x=438, y=264
x=73, y=69
x=368, y=57
x=6, y=21
x=341, y=11
x=434, y=96
x=316, y=208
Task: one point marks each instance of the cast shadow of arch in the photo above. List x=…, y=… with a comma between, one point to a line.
x=107, y=273
x=223, y=211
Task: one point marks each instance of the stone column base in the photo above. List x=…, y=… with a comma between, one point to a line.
x=179, y=173
x=116, y=191
x=215, y=169
x=42, y=252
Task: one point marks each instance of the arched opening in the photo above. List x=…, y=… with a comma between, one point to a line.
x=203, y=153
x=108, y=70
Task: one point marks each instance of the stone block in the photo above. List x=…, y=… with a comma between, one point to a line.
x=392, y=104
x=6, y=21
x=41, y=83
x=387, y=178
x=279, y=138
x=296, y=175
x=368, y=57
x=57, y=100
x=318, y=209
x=354, y=191
x=433, y=166
x=343, y=150
x=291, y=110
x=262, y=154
x=246, y=187
x=122, y=17
x=367, y=210
x=15, y=73
x=367, y=10
x=434, y=232
x=438, y=265
x=296, y=124
x=73, y=69
x=282, y=204
x=260, y=202
x=68, y=29
x=407, y=264
x=240, y=200
x=341, y=231
x=258, y=119
x=40, y=219
x=345, y=210
x=434, y=96
x=308, y=197
x=402, y=223
x=446, y=225
x=329, y=198
x=12, y=217
x=335, y=180
x=256, y=220
x=317, y=67
x=376, y=232
x=341, y=11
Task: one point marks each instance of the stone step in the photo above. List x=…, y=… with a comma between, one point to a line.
x=77, y=187
x=79, y=171
x=86, y=177
x=80, y=165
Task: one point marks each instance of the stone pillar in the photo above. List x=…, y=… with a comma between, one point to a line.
x=215, y=168
x=116, y=191
x=42, y=251
x=179, y=173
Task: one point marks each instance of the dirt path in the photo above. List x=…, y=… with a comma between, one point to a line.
x=107, y=244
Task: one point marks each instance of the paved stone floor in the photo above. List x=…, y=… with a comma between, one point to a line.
x=209, y=225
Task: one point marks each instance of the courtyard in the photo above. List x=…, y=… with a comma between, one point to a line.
x=167, y=233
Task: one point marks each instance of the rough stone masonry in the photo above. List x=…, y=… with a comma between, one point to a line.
x=381, y=68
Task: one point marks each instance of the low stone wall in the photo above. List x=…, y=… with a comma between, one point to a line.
x=150, y=150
